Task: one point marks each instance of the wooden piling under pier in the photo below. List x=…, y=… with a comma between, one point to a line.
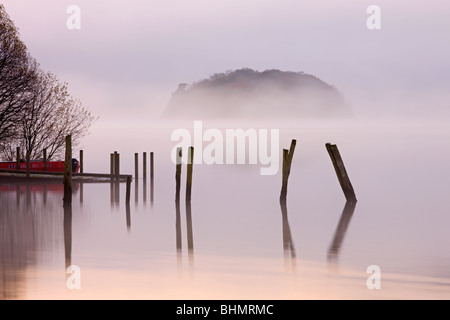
x=67, y=172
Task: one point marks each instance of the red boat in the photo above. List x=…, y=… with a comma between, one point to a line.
x=38, y=165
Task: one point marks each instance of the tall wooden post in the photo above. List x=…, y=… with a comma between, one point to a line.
x=111, y=173
x=116, y=165
x=28, y=164
x=45, y=159
x=136, y=166
x=81, y=161
x=341, y=172
x=152, y=186
x=18, y=158
x=144, y=174
x=68, y=172
x=144, y=165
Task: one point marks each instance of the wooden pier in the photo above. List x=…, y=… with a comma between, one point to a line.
x=6, y=174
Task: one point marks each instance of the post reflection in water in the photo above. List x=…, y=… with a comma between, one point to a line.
x=45, y=193
x=288, y=243
x=178, y=228
x=111, y=194
x=68, y=234
x=128, y=213
x=136, y=191
x=81, y=193
x=144, y=192
x=117, y=193
x=341, y=230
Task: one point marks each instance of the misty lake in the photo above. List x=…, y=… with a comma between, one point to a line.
x=400, y=172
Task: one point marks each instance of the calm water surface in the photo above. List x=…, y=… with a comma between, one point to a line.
x=244, y=247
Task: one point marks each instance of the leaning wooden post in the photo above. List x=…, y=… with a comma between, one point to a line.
x=18, y=158
x=136, y=166
x=68, y=172
x=28, y=164
x=45, y=159
x=341, y=172
x=288, y=155
x=81, y=161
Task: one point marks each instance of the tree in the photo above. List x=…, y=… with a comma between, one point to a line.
x=50, y=115
x=36, y=110
x=18, y=72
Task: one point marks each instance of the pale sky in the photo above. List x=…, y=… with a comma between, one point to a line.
x=130, y=55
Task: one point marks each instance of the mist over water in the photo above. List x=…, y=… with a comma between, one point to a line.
x=390, y=124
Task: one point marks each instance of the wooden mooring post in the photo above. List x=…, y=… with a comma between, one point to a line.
x=112, y=163
x=144, y=165
x=45, y=159
x=341, y=172
x=117, y=177
x=68, y=172
x=116, y=165
x=152, y=175
x=136, y=166
x=287, y=162
x=18, y=158
x=112, y=171
x=81, y=161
